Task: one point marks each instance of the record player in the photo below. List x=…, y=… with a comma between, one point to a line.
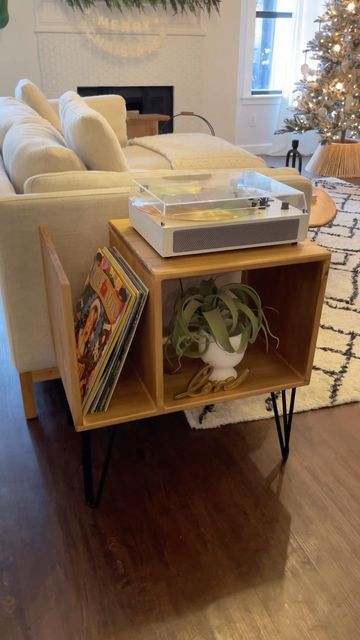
x=204, y=212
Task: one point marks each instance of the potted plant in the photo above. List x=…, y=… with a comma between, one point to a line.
x=216, y=324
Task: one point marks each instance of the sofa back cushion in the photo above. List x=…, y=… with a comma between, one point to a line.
x=113, y=108
x=89, y=134
x=6, y=187
x=31, y=148
x=13, y=111
x=33, y=96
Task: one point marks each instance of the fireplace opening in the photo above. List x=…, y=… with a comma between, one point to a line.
x=155, y=99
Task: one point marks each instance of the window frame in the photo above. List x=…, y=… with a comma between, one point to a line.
x=247, y=30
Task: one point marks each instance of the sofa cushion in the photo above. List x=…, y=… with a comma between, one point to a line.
x=140, y=158
x=31, y=148
x=6, y=187
x=88, y=180
x=13, y=111
x=113, y=108
x=89, y=134
x=78, y=181
x=33, y=96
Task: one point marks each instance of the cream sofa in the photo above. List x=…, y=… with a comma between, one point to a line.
x=75, y=206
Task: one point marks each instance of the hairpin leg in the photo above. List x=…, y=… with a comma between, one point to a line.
x=284, y=434
x=92, y=499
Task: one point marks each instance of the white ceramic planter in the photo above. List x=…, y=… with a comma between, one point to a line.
x=224, y=363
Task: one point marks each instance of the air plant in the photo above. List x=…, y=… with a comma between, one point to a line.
x=210, y=313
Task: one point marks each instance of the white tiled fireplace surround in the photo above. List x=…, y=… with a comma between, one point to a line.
x=203, y=59
x=106, y=48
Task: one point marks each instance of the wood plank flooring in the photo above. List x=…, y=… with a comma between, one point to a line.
x=200, y=535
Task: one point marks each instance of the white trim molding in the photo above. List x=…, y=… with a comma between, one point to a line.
x=55, y=16
x=261, y=100
x=247, y=34
x=257, y=149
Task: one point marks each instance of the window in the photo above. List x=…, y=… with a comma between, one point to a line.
x=273, y=27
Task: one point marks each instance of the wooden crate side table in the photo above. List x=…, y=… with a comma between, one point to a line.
x=144, y=124
x=291, y=278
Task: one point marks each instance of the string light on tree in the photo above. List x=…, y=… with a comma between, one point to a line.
x=328, y=95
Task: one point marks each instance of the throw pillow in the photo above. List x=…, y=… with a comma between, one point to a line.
x=31, y=148
x=33, y=96
x=89, y=134
x=13, y=111
x=6, y=188
x=113, y=108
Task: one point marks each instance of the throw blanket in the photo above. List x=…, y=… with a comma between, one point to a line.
x=198, y=151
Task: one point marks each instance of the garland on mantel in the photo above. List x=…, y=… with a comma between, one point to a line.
x=177, y=6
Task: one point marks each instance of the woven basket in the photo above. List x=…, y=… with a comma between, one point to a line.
x=337, y=159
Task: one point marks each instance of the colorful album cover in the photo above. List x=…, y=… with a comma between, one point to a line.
x=101, y=311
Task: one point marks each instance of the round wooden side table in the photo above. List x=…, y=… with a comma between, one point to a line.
x=323, y=210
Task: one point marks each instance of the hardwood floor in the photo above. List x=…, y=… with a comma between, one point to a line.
x=201, y=535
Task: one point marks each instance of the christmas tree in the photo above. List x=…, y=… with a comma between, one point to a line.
x=327, y=98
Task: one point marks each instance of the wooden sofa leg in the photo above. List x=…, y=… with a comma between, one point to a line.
x=28, y=396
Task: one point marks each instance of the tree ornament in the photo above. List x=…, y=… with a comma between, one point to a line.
x=322, y=112
x=348, y=103
x=305, y=69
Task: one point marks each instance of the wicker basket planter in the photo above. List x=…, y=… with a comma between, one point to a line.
x=339, y=159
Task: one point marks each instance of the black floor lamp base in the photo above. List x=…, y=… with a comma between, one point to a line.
x=294, y=154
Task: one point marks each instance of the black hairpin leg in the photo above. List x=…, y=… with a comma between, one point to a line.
x=92, y=499
x=284, y=434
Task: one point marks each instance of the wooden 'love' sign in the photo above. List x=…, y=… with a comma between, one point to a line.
x=200, y=384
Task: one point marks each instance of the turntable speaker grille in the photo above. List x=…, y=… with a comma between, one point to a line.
x=240, y=235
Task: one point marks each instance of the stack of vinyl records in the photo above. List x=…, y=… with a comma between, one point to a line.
x=106, y=318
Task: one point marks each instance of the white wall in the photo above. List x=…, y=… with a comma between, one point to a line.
x=203, y=60
x=43, y=42
x=221, y=68
x=18, y=47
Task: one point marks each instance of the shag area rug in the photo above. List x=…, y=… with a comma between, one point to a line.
x=336, y=372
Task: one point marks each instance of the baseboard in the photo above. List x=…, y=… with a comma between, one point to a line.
x=257, y=149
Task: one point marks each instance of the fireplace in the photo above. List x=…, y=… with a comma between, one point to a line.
x=156, y=99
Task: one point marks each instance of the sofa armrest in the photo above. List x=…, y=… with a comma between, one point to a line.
x=86, y=180
x=78, y=224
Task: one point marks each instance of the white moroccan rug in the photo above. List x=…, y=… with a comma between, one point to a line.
x=336, y=371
